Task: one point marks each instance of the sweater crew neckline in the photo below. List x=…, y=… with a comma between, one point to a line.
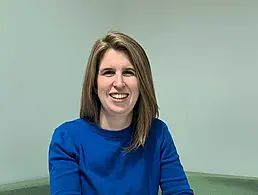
x=125, y=132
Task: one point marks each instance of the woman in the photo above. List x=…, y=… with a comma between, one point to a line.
x=118, y=145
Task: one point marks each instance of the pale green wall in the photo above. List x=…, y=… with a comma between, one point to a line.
x=204, y=56
x=204, y=59
x=44, y=48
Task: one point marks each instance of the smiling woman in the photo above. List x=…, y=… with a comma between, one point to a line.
x=118, y=145
x=117, y=89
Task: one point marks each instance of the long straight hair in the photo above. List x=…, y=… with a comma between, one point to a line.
x=145, y=109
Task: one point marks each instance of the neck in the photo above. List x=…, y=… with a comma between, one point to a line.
x=114, y=122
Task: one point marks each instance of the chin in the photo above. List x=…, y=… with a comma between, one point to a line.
x=120, y=111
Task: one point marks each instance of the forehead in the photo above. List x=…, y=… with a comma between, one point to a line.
x=115, y=59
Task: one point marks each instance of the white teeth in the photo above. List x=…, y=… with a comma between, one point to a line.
x=119, y=96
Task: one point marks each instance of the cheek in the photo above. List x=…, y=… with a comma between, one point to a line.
x=100, y=83
x=103, y=85
x=134, y=87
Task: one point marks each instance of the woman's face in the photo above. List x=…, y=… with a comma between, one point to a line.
x=117, y=84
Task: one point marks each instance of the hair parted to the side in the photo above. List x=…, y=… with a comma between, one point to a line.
x=146, y=108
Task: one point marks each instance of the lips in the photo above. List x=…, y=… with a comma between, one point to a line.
x=119, y=96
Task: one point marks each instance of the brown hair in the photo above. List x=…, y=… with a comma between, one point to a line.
x=146, y=108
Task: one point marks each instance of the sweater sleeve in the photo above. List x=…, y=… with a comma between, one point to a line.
x=63, y=167
x=173, y=179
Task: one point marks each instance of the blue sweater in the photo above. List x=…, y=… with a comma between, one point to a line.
x=87, y=160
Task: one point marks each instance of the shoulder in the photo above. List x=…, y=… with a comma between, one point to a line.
x=159, y=130
x=64, y=141
x=159, y=127
x=158, y=123
x=72, y=128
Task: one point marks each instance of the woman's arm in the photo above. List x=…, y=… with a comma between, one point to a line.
x=173, y=179
x=63, y=167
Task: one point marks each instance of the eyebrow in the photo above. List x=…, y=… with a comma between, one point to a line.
x=108, y=69
x=130, y=69
x=101, y=70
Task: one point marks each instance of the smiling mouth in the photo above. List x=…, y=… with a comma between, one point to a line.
x=119, y=96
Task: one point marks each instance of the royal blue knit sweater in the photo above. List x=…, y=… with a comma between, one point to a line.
x=85, y=159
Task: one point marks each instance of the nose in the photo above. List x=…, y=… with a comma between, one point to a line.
x=119, y=81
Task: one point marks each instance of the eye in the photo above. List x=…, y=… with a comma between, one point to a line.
x=109, y=73
x=129, y=73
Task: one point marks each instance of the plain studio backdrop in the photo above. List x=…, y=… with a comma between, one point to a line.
x=204, y=58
